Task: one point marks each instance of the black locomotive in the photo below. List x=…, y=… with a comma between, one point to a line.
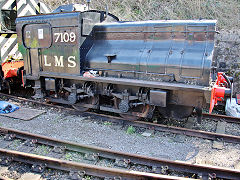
x=91, y=59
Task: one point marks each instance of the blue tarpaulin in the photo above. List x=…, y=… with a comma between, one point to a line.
x=6, y=107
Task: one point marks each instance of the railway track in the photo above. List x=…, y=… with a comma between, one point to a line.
x=227, y=119
x=75, y=170
x=158, y=127
x=44, y=152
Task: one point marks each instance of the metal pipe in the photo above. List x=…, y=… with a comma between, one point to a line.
x=226, y=78
x=88, y=4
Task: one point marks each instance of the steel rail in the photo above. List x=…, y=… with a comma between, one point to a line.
x=180, y=166
x=35, y=102
x=172, y=129
x=159, y=127
x=188, y=132
x=92, y=170
x=228, y=119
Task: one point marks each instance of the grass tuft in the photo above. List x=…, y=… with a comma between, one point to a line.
x=131, y=130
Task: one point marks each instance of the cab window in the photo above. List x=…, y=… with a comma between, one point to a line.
x=37, y=36
x=8, y=19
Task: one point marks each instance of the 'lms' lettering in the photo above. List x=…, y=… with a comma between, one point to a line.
x=71, y=62
x=59, y=61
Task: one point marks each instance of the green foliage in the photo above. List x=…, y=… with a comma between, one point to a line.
x=87, y=178
x=68, y=156
x=16, y=143
x=237, y=75
x=106, y=123
x=131, y=130
x=42, y=150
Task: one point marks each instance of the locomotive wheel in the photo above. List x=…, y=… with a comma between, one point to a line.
x=91, y=100
x=135, y=113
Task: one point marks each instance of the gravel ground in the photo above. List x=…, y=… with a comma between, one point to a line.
x=86, y=130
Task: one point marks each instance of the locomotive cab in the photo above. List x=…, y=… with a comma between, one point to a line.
x=53, y=44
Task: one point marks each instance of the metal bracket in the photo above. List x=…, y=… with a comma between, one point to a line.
x=156, y=169
x=89, y=89
x=110, y=57
x=9, y=137
x=142, y=96
x=164, y=170
x=31, y=142
x=91, y=157
x=76, y=175
x=38, y=90
x=212, y=176
x=59, y=149
x=108, y=90
x=125, y=96
x=122, y=162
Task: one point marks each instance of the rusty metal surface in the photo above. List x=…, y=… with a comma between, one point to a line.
x=188, y=132
x=92, y=170
x=195, y=133
x=139, y=159
x=228, y=119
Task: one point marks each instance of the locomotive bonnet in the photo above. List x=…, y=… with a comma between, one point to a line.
x=90, y=59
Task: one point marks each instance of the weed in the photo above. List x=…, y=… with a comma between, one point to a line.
x=131, y=130
x=73, y=156
x=87, y=178
x=42, y=150
x=68, y=156
x=106, y=123
x=237, y=75
x=16, y=143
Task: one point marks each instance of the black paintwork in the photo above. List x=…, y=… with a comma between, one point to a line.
x=171, y=59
